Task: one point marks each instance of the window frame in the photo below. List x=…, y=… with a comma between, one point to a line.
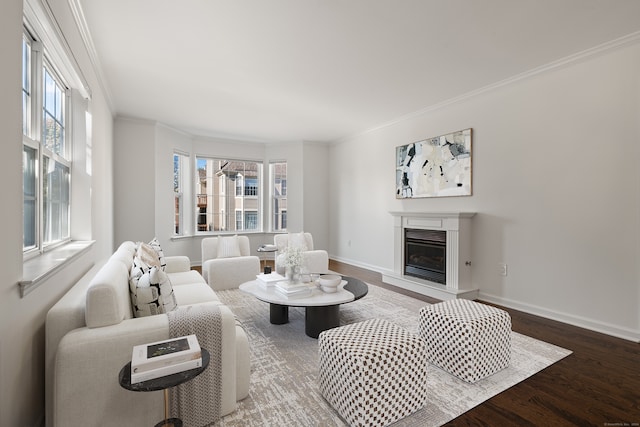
x=179, y=181
x=33, y=139
x=223, y=184
x=277, y=220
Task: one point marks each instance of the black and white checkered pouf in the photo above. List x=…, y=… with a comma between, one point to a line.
x=467, y=339
x=373, y=372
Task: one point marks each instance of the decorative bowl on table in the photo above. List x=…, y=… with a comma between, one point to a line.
x=329, y=282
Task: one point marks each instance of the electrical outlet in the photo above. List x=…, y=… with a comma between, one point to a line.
x=503, y=269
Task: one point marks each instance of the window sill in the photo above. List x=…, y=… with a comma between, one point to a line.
x=36, y=270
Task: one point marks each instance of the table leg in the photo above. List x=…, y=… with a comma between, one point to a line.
x=168, y=422
x=278, y=314
x=321, y=318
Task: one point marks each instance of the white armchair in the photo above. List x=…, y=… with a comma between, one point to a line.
x=316, y=261
x=227, y=269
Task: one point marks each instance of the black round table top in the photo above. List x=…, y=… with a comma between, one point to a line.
x=124, y=377
x=356, y=286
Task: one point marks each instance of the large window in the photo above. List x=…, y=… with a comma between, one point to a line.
x=278, y=176
x=228, y=195
x=180, y=162
x=46, y=158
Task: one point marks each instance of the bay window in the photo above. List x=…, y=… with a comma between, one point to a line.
x=228, y=195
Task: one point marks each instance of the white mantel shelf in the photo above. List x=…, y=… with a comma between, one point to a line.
x=458, y=228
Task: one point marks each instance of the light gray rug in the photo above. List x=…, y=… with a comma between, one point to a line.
x=284, y=364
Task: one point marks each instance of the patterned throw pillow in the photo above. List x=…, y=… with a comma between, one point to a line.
x=228, y=247
x=156, y=247
x=151, y=290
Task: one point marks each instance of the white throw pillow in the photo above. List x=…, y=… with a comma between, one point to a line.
x=297, y=240
x=148, y=255
x=151, y=290
x=155, y=244
x=228, y=247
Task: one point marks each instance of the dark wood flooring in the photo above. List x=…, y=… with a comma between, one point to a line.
x=597, y=385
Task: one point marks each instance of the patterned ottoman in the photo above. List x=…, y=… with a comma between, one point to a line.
x=373, y=372
x=467, y=339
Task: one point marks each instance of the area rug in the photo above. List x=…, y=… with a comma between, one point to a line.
x=284, y=362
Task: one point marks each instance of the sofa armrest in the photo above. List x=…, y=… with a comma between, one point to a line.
x=177, y=264
x=230, y=273
x=86, y=388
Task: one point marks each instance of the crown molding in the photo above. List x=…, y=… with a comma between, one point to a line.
x=568, y=60
x=85, y=34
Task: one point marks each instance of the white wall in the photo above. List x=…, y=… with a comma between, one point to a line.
x=316, y=204
x=555, y=185
x=22, y=320
x=141, y=214
x=134, y=180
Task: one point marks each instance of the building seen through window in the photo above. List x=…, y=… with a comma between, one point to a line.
x=228, y=195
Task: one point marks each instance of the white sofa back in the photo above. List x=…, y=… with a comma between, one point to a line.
x=108, y=300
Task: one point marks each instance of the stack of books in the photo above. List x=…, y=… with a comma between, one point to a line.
x=162, y=358
x=293, y=290
x=270, y=279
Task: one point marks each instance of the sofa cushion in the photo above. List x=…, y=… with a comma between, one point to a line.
x=228, y=247
x=194, y=294
x=151, y=291
x=107, y=299
x=125, y=253
x=186, y=278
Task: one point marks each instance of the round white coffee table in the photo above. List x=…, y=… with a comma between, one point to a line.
x=321, y=309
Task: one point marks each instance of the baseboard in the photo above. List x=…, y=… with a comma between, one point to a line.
x=581, y=322
x=358, y=264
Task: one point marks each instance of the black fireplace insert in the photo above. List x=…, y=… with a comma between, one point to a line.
x=426, y=254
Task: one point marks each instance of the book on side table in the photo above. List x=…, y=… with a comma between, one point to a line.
x=167, y=357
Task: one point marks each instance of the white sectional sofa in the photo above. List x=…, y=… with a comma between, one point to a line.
x=90, y=334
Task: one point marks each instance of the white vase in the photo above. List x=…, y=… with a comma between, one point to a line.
x=293, y=274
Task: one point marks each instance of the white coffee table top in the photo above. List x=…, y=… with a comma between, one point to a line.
x=317, y=298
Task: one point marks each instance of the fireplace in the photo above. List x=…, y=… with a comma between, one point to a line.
x=426, y=254
x=432, y=254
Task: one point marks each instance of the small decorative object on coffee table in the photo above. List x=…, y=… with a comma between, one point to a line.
x=293, y=261
x=163, y=383
x=329, y=282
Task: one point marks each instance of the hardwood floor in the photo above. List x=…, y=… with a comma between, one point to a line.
x=597, y=385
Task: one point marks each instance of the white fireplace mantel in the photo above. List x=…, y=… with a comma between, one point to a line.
x=458, y=264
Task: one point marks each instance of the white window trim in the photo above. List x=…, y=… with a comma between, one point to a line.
x=222, y=192
x=38, y=19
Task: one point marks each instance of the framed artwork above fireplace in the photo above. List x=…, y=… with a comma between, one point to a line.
x=435, y=167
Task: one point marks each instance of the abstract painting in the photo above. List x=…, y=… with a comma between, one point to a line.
x=435, y=167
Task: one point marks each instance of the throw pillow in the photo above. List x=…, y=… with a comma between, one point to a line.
x=155, y=244
x=297, y=240
x=228, y=247
x=151, y=291
x=148, y=255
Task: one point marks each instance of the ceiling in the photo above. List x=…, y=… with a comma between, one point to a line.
x=322, y=70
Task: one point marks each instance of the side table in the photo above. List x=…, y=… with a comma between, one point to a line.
x=163, y=383
x=264, y=249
